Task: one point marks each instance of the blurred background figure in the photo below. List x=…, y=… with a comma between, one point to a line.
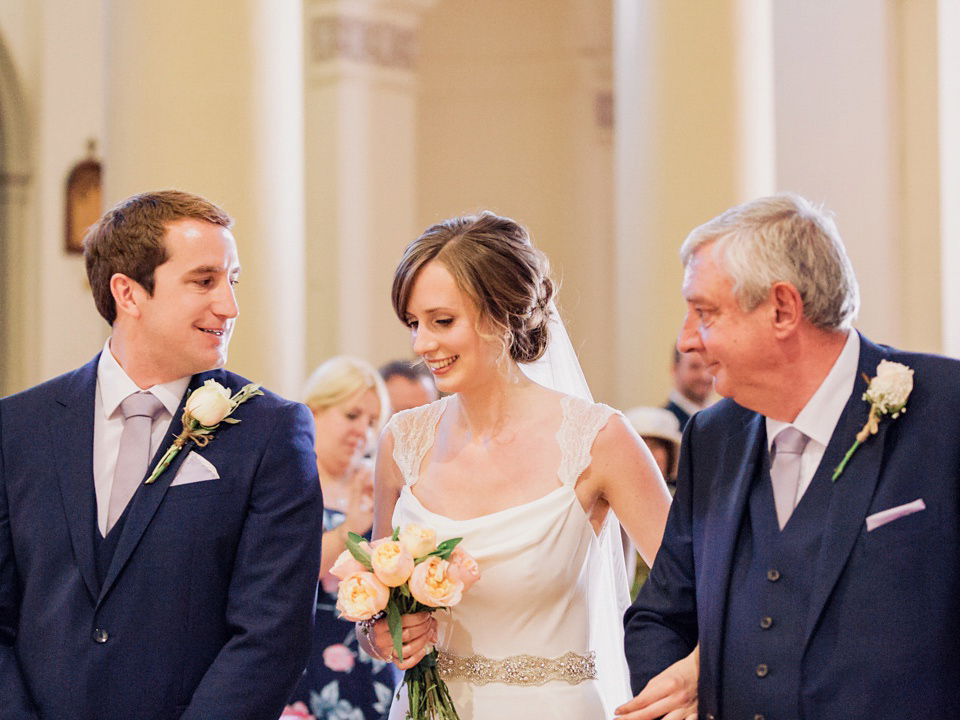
x=659, y=429
x=349, y=404
x=409, y=384
x=692, y=386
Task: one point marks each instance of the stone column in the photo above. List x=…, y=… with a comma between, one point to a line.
x=948, y=28
x=208, y=97
x=693, y=133
x=360, y=171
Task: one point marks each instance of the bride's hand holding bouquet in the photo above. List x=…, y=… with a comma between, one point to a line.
x=390, y=587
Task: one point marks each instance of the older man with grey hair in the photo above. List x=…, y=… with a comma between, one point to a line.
x=811, y=549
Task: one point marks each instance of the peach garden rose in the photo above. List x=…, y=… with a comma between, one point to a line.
x=392, y=563
x=418, y=540
x=361, y=596
x=464, y=567
x=345, y=565
x=434, y=585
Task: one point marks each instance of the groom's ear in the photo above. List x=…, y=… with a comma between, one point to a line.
x=126, y=294
x=788, y=308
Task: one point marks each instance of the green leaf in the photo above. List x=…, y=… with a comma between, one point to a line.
x=353, y=545
x=396, y=534
x=232, y=421
x=445, y=548
x=395, y=623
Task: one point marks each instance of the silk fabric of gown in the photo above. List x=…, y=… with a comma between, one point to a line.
x=532, y=598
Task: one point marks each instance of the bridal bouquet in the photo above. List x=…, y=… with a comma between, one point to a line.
x=407, y=572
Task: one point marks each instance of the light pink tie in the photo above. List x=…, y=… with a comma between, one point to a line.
x=138, y=411
x=788, y=446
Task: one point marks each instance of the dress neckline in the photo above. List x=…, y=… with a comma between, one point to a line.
x=522, y=508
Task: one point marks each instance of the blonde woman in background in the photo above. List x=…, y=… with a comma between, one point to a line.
x=349, y=403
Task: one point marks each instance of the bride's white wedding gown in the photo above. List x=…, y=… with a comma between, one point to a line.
x=519, y=644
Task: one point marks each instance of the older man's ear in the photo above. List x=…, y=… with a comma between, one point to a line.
x=788, y=308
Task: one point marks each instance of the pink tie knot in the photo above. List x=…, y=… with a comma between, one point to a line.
x=790, y=441
x=141, y=404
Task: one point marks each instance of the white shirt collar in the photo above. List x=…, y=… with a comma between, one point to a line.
x=822, y=412
x=116, y=386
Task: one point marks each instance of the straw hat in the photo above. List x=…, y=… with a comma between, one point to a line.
x=656, y=422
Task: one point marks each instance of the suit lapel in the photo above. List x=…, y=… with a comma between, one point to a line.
x=144, y=504
x=742, y=454
x=852, y=491
x=72, y=430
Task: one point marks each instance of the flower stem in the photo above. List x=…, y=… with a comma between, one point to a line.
x=843, y=463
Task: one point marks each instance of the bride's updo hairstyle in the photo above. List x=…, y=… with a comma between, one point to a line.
x=493, y=262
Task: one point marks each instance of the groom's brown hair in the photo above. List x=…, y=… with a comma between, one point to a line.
x=128, y=240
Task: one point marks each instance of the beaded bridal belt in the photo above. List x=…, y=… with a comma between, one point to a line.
x=518, y=669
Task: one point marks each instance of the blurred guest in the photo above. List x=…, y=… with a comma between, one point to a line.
x=661, y=432
x=692, y=385
x=408, y=384
x=349, y=403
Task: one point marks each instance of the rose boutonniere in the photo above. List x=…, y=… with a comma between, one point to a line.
x=887, y=394
x=207, y=407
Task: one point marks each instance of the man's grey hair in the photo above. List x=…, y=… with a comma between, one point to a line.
x=783, y=238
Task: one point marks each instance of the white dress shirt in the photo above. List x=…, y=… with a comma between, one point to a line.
x=113, y=387
x=820, y=415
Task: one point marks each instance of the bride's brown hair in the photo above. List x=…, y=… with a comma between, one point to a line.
x=493, y=262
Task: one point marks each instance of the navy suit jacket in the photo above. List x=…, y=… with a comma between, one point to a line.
x=206, y=609
x=682, y=416
x=882, y=632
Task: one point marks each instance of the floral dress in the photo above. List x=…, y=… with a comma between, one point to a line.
x=341, y=682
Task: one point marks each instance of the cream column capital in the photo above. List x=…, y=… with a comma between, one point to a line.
x=365, y=34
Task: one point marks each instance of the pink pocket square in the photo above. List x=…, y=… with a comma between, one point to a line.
x=195, y=469
x=884, y=516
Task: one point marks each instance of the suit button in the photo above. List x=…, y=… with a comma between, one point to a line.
x=758, y=716
x=762, y=670
x=773, y=575
x=766, y=622
x=100, y=635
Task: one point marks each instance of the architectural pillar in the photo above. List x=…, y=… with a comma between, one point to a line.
x=208, y=98
x=360, y=171
x=948, y=26
x=693, y=130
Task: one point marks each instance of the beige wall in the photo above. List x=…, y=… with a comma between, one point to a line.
x=508, y=122
x=506, y=107
x=56, y=53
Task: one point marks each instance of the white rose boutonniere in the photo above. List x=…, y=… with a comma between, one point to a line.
x=887, y=394
x=207, y=407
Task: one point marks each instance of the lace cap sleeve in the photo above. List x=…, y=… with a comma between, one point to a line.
x=413, y=434
x=582, y=422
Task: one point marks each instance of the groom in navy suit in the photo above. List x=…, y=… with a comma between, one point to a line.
x=187, y=597
x=814, y=592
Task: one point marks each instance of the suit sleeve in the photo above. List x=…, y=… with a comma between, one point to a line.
x=17, y=704
x=661, y=625
x=273, y=588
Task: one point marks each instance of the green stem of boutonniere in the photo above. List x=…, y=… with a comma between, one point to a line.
x=843, y=463
x=167, y=458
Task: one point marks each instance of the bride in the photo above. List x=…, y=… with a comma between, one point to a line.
x=530, y=477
